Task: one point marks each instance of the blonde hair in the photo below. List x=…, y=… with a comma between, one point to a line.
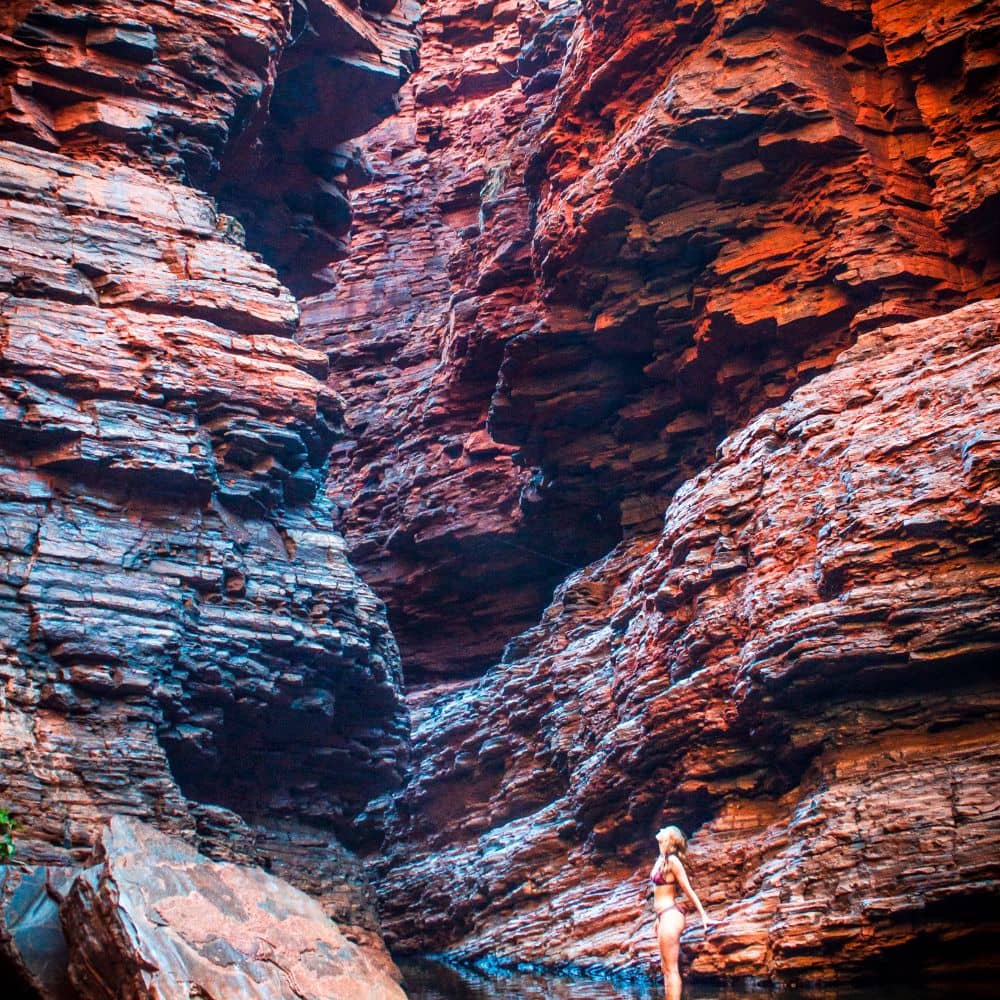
x=672, y=841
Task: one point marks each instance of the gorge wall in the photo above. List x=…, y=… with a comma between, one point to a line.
x=603, y=246
x=182, y=638
x=646, y=369
x=620, y=231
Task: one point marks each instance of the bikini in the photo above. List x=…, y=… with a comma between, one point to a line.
x=659, y=877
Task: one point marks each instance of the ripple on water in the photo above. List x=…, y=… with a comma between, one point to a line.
x=426, y=979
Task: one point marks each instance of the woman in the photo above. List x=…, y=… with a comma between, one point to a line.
x=667, y=874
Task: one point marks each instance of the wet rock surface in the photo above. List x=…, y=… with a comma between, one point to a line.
x=797, y=670
x=32, y=945
x=182, y=636
x=164, y=549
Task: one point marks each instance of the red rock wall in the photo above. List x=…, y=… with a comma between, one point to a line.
x=660, y=222
x=633, y=228
x=798, y=670
x=727, y=195
x=440, y=518
x=182, y=637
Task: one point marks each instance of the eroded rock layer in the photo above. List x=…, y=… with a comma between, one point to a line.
x=798, y=670
x=182, y=637
x=255, y=99
x=640, y=224
x=441, y=519
x=727, y=195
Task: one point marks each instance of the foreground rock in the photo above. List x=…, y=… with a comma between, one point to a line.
x=155, y=918
x=799, y=670
x=33, y=955
x=152, y=917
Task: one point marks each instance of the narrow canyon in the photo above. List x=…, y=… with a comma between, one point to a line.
x=444, y=441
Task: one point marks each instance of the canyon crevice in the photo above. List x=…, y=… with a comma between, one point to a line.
x=624, y=376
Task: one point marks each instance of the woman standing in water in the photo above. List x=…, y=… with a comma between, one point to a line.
x=667, y=874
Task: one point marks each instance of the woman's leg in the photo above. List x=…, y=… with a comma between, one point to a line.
x=669, y=929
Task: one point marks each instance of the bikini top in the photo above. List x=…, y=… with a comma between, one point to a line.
x=662, y=875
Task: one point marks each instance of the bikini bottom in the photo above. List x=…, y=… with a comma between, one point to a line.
x=666, y=909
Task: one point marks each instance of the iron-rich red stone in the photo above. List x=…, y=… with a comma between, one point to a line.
x=633, y=250
x=798, y=670
x=182, y=637
x=442, y=520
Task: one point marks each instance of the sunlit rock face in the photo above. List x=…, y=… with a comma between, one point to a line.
x=728, y=193
x=182, y=636
x=634, y=226
x=798, y=670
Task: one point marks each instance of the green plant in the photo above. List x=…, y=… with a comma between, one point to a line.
x=7, y=827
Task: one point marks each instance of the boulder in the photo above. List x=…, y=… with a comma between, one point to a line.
x=154, y=918
x=32, y=945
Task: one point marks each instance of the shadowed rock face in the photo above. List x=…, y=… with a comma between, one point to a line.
x=182, y=637
x=443, y=522
x=798, y=670
x=634, y=226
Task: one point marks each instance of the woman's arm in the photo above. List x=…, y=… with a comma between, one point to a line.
x=682, y=880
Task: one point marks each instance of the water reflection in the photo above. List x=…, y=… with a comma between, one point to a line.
x=430, y=980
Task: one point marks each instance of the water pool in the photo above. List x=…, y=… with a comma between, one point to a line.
x=426, y=979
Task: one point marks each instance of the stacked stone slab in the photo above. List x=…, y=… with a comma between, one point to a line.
x=182, y=637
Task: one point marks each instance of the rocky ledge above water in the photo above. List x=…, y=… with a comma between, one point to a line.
x=149, y=916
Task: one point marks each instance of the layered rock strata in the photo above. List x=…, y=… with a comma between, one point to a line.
x=727, y=194
x=182, y=637
x=798, y=670
x=254, y=99
x=634, y=226
x=442, y=520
